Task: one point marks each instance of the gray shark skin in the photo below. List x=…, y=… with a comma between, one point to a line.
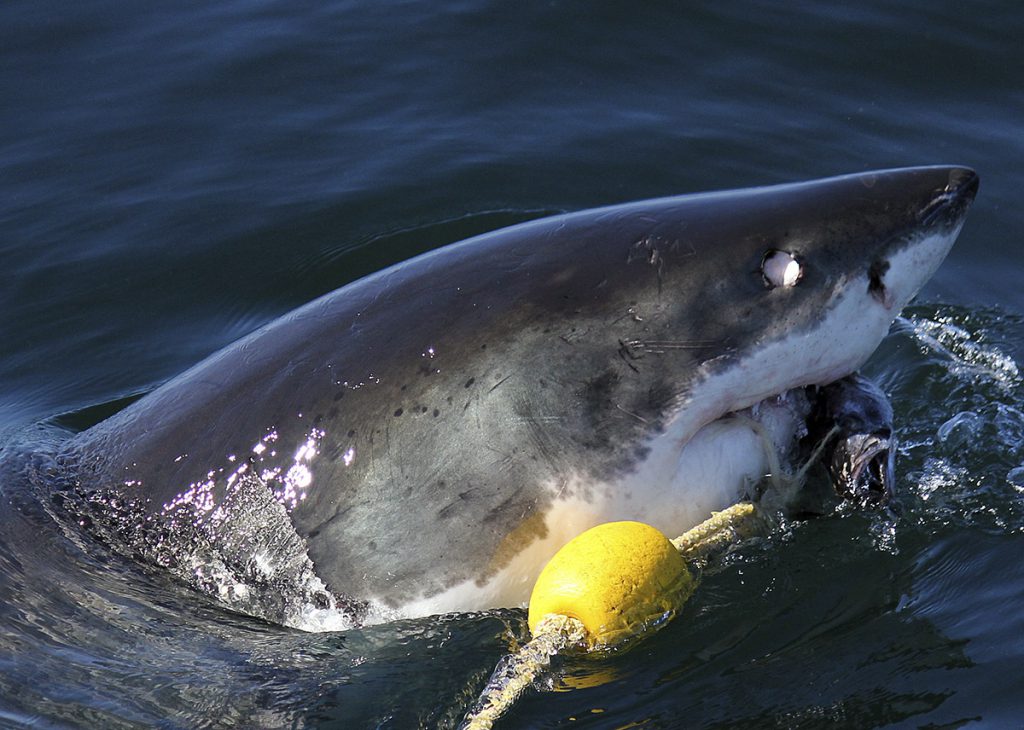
x=421, y=427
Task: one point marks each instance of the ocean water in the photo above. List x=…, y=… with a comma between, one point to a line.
x=173, y=175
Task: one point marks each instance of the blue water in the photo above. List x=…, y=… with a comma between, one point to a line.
x=174, y=174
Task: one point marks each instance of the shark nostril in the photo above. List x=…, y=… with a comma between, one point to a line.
x=962, y=180
x=950, y=201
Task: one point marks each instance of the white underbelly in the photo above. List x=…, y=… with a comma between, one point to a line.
x=677, y=487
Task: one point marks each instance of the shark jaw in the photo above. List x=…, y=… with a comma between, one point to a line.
x=844, y=335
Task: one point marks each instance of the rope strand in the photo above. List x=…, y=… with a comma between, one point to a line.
x=516, y=672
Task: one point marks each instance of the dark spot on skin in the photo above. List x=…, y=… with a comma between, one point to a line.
x=405, y=387
x=398, y=413
x=423, y=409
x=441, y=484
x=372, y=544
x=483, y=347
x=876, y=274
x=449, y=399
x=436, y=413
x=597, y=392
x=597, y=397
x=313, y=533
x=338, y=396
x=470, y=382
x=659, y=396
x=351, y=433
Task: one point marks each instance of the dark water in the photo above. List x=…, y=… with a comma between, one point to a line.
x=172, y=175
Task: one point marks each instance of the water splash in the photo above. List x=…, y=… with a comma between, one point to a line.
x=955, y=336
x=965, y=377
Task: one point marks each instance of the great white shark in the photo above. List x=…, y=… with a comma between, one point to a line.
x=424, y=439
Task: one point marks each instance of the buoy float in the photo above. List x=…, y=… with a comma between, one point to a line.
x=610, y=584
x=618, y=579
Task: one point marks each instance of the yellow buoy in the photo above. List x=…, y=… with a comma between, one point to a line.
x=609, y=584
x=617, y=579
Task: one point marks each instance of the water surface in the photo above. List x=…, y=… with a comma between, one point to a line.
x=174, y=174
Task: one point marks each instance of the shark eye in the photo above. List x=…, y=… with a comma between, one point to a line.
x=780, y=268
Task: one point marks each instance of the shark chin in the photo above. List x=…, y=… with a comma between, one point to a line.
x=424, y=439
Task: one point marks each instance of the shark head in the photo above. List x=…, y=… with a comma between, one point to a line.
x=796, y=285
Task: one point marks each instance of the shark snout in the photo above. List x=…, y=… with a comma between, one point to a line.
x=964, y=181
x=913, y=256
x=951, y=201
